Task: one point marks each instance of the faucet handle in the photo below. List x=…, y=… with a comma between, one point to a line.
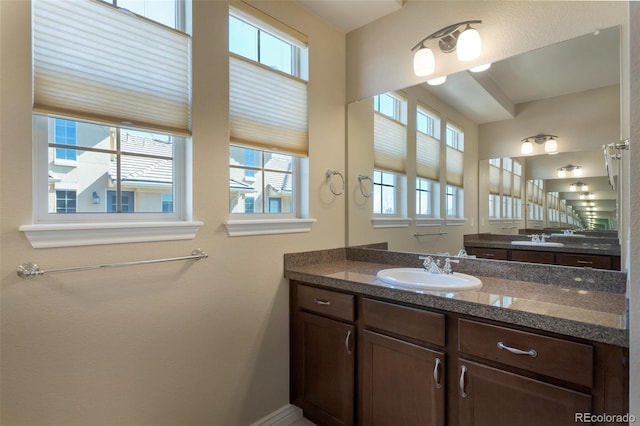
x=428, y=260
x=447, y=265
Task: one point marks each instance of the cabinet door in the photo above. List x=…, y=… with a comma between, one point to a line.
x=402, y=384
x=492, y=397
x=325, y=369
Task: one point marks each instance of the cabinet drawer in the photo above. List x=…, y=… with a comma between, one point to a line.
x=404, y=321
x=532, y=256
x=553, y=357
x=491, y=253
x=326, y=302
x=584, y=260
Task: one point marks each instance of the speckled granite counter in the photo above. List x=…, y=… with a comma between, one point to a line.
x=576, y=245
x=577, y=302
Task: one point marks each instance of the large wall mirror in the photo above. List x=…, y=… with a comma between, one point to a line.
x=570, y=89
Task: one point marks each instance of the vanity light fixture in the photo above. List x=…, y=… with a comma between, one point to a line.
x=480, y=68
x=550, y=143
x=578, y=186
x=570, y=168
x=465, y=42
x=437, y=81
x=587, y=196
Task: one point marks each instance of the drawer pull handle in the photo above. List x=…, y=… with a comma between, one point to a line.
x=584, y=262
x=463, y=374
x=322, y=302
x=436, y=374
x=347, y=342
x=488, y=254
x=530, y=352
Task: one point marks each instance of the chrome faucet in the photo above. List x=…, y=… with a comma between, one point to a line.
x=431, y=265
x=447, y=266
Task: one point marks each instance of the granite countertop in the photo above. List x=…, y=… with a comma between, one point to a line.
x=572, y=245
x=569, y=310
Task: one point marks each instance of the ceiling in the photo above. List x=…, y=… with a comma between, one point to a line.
x=348, y=15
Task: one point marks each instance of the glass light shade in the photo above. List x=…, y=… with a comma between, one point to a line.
x=577, y=171
x=527, y=147
x=424, y=62
x=562, y=173
x=572, y=187
x=437, y=81
x=480, y=68
x=551, y=146
x=469, y=45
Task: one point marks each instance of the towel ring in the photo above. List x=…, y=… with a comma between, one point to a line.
x=363, y=178
x=330, y=174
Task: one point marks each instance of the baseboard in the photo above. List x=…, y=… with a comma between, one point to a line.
x=283, y=416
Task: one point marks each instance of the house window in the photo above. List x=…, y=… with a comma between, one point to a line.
x=268, y=71
x=65, y=135
x=167, y=203
x=263, y=177
x=166, y=12
x=65, y=201
x=455, y=200
x=426, y=195
x=126, y=202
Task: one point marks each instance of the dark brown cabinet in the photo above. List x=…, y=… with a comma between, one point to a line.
x=401, y=383
x=323, y=350
x=493, y=397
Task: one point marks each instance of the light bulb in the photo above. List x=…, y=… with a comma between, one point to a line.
x=527, y=147
x=469, y=44
x=424, y=62
x=437, y=81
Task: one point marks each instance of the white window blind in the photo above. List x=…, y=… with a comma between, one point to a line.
x=494, y=179
x=506, y=182
x=427, y=156
x=390, y=140
x=268, y=108
x=455, y=167
x=97, y=63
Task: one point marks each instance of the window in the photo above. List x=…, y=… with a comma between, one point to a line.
x=268, y=70
x=455, y=171
x=118, y=174
x=427, y=196
x=265, y=178
x=65, y=201
x=494, y=206
x=384, y=193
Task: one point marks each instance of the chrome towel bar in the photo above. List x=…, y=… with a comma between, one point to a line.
x=28, y=269
x=419, y=234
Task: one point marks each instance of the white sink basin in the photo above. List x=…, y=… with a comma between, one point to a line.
x=419, y=279
x=569, y=235
x=536, y=243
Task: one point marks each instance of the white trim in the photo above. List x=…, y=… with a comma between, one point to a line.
x=390, y=222
x=429, y=221
x=88, y=234
x=456, y=221
x=284, y=416
x=241, y=228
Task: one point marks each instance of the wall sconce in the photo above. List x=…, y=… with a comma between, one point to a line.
x=550, y=143
x=578, y=186
x=574, y=170
x=96, y=198
x=466, y=43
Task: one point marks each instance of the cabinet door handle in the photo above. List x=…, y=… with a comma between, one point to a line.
x=584, y=262
x=488, y=254
x=436, y=374
x=530, y=352
x=463, y=375
x=322, y=302
x=347, y=342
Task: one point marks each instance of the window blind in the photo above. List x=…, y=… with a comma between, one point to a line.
x=494, y=180
x=427, y=156
x=95, y=62
x=268, y=108
x=506, y=182
x=455, y=167
x=516, y=190
x=389, y=143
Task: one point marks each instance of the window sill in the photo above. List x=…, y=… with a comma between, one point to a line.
x=456, y=221
x=89, y=234
x=390, y=222
x=241, y=228
x=431, y=221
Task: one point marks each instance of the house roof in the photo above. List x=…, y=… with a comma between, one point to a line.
x=280, y=182
x=156, y=170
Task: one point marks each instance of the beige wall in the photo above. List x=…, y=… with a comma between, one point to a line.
x=176, y=343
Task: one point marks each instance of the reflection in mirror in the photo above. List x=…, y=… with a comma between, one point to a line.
x=570, y=89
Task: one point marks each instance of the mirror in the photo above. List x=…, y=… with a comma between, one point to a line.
x=570, y=89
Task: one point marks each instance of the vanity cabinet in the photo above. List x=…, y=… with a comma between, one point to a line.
x=323, y=355
x=417, y=366
x=402, y=379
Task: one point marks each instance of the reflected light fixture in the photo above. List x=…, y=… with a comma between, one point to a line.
x=578, y=186
x=480, y=68
x=574, y=170
x=550, y=143
x=437, y=81
x=587, y=196
x=465, y=42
